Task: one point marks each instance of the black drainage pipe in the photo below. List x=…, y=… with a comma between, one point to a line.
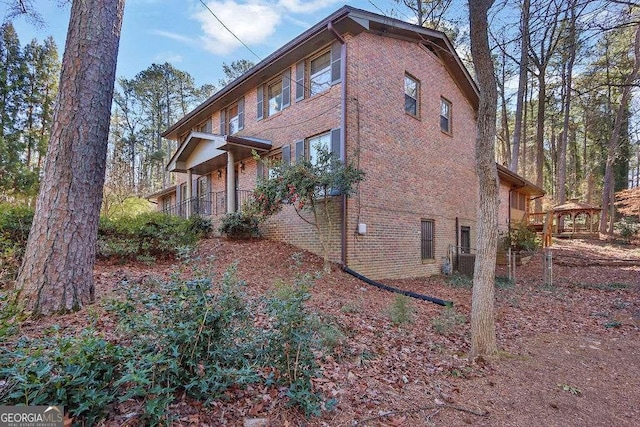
x=396, y=290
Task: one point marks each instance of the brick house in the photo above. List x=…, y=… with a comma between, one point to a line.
x=391, y=96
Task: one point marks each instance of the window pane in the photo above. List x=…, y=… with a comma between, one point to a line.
x=445, y=115
x=410, y=96
x=274, y=94
x=320, y=73
x=410, y=87
x=410, y=105
x=233, y=119
x=316, y=142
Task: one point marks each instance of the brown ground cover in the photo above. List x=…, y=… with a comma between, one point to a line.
x=570, y=350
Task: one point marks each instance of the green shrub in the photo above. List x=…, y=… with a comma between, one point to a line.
x=240, y=225
x=520, y=238
x=627, y=228
x=78, y=373
x=148, y=235
x=458, y=280
x=291, y=341
x=15, y=223
x=447, y=321
x=184, y=336
x=402, y=310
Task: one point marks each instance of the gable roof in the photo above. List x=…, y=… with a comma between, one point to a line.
x=345, y=20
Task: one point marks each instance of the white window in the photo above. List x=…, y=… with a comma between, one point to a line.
x=445, y=115
x=320, y=73
x=274, y=98
x=234, y=119
x=411, y=95
x=315, y=143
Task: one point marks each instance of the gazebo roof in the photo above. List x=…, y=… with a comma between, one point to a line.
x=574, y=205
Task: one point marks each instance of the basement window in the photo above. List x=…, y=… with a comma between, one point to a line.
x=427, y=239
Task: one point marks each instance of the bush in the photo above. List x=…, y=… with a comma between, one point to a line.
x=240, y=225
x=15, y=223
x=521, y=239
x=76, y=372
x=627, y=228
x=148, y=235
x=189, y=337
x=402, y=310
x=145, y=236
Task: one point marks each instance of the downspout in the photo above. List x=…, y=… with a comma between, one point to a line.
x=343, y=133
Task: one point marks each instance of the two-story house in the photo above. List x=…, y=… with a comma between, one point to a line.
x=391, y=96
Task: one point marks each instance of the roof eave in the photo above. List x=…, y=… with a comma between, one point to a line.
x=359, y=20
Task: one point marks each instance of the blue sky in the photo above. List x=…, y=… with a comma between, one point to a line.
x=184, y=33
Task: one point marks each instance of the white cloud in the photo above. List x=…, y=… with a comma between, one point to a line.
x=252, y=22
x=170, y=57
x=173, y=36
x=299, y=6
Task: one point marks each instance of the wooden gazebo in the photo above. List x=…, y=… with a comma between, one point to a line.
x=575, y=219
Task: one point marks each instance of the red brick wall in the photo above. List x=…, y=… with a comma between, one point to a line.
x=414, y=171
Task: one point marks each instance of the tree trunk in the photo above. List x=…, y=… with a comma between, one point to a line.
x=612, y=146
x=57, y=272
x=483, y=329
x=563, y=143
x=542, y=95
x=522, y=84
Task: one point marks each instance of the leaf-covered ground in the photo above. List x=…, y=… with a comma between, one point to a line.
x=570, y=349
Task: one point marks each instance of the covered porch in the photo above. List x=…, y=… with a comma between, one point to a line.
x=202, y=154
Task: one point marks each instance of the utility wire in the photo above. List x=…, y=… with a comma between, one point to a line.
x=230, y=32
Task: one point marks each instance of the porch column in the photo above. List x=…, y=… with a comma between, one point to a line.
x=231, y=183
x=189, y=192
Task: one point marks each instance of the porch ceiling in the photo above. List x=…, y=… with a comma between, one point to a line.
x=204, y=152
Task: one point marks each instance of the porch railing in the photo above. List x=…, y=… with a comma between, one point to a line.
x=209, y=204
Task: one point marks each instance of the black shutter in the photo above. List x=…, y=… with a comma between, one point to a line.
x=336, y=55
x=259, y=169
x=259, y=107
x=241, y=113
x=300, y=81
x=286, y=155
x=299, y=151
x=223, y=123
x=286, y=88
x=336, y=143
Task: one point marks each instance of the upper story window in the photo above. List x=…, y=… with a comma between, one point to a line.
x=232, y=118
x=276, y=95
x=445, y=115
x=320, y=73
x=274, y=98
x=205, y=127
x=411, y=95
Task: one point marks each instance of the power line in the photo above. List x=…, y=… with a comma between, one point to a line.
x=230, y=32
